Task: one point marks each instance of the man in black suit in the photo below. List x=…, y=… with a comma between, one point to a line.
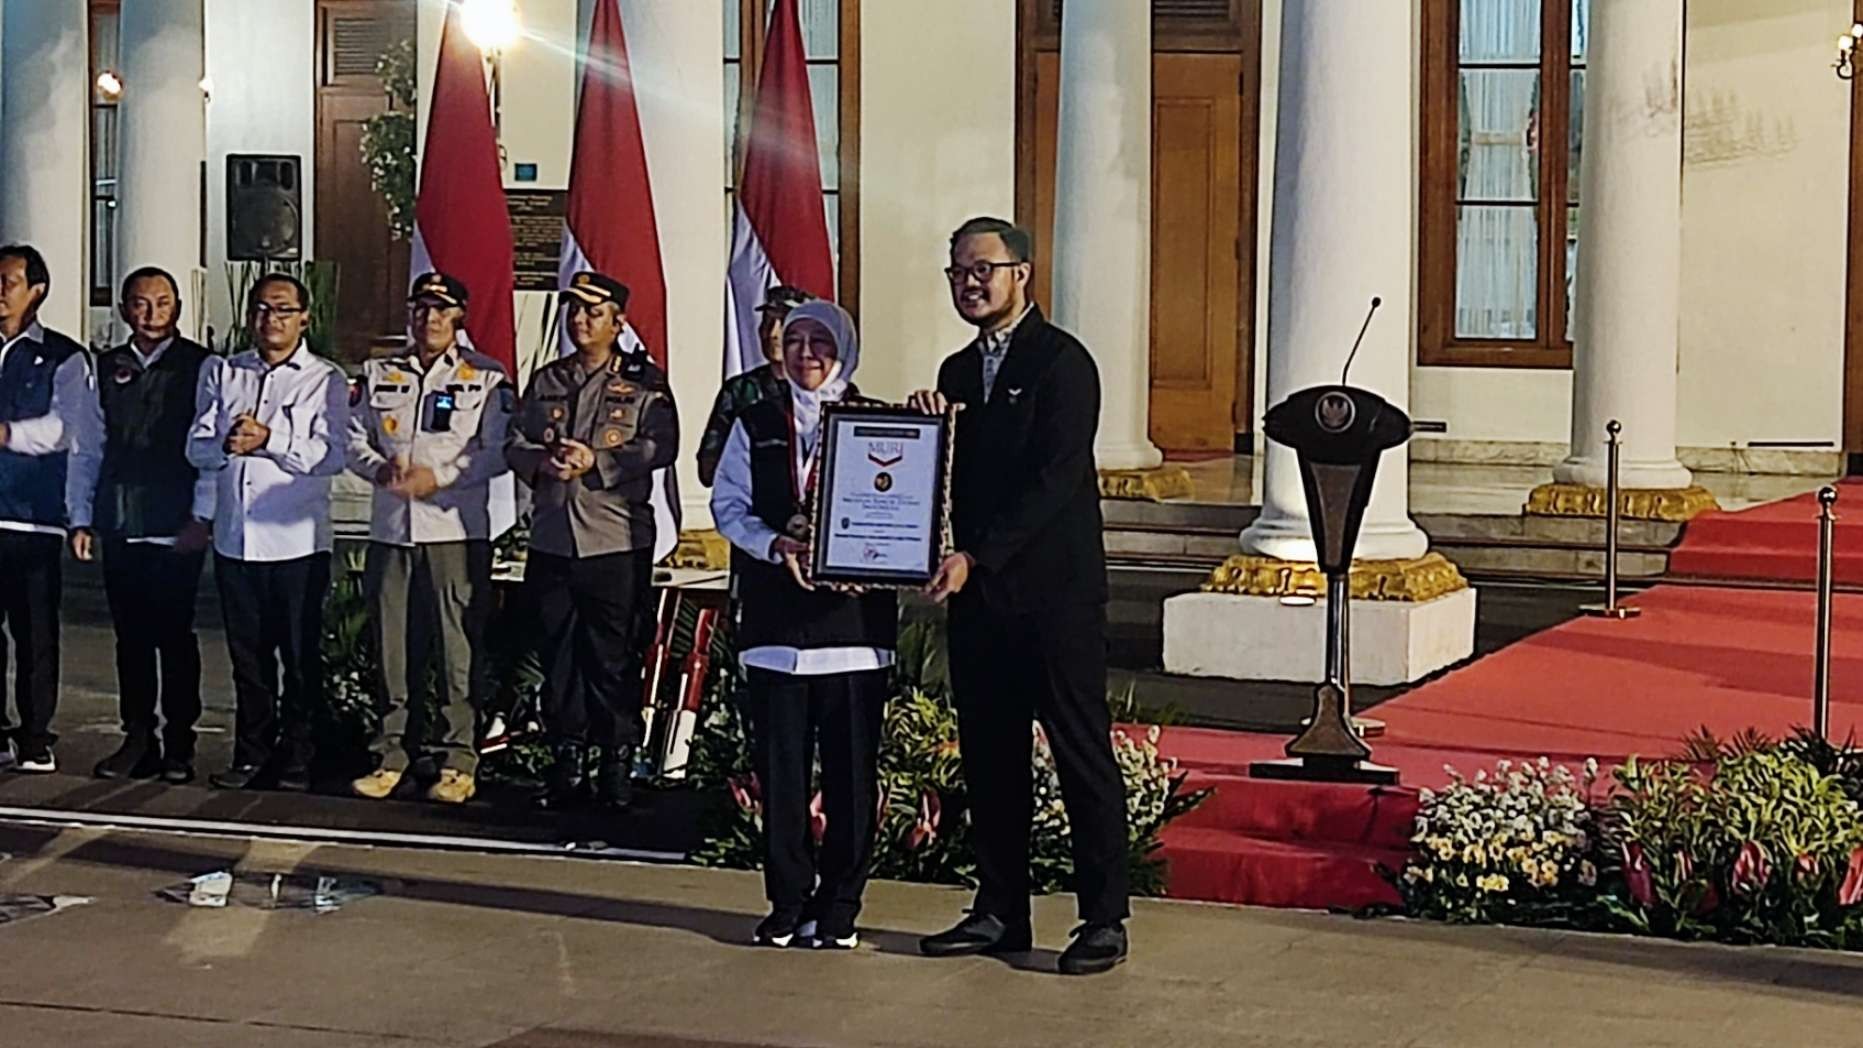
x=1027, y=588
x=152, y=511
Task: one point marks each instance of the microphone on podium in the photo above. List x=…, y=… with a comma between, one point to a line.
x=1362, y=328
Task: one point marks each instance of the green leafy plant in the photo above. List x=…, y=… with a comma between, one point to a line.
x=388, y=139
x=1764, y=846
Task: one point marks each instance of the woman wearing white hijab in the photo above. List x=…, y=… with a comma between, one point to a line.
x=816, y=661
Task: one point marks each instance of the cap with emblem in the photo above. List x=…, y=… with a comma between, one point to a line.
x=448, y=291
x=595, y=288
x=782, y=298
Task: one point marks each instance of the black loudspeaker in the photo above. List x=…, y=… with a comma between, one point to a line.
x=264, y=208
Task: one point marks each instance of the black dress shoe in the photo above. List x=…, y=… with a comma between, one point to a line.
x=177, y=771
x=1096, y=948
x=237, y=777
x=978, y=933
x=137, y=758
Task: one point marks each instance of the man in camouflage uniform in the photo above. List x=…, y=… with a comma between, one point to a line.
x=741, y=391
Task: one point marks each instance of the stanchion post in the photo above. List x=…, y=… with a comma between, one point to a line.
x=1613, y=450
x=1821, y=672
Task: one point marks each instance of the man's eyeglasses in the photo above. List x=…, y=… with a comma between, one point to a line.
x=981, y=272
x=262, y=310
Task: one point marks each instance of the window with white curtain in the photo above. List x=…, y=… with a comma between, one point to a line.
x=1503, y=95
x=746, y=27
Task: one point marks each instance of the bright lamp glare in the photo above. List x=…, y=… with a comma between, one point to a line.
x=109, y=84
x=492, y=25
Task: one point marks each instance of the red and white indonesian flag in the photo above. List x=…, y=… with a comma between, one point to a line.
x=780, y=230
x=610, y=226
x=461, y=225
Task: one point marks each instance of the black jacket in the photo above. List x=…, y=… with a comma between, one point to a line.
x=145, y=486
x=1024, y=488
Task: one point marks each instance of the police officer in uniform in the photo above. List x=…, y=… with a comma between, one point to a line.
x=428, y=430
x=593, y=428
x=153, y=511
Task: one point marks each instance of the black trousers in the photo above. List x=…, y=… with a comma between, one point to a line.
x=588, y=611
x=151, y=590
x=31, y=578
x=1009, y=670
x=274, y=623
x=789, y=717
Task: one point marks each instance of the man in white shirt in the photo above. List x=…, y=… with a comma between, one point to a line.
x=48, y=407
x=152, y=511
x=428, y=430
x=269, y=425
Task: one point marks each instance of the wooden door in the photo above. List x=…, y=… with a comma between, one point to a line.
x=351, y=220
x=1200, y=322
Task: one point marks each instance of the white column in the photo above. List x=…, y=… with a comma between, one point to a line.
x=45, y=108
x=1102, y=214
x=162, y=125
x=677, y=54
x=1344, y=229
x=1630, y=247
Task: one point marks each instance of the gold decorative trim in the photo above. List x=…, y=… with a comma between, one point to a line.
x=1668, y=505
x=703, y=550
x=1425, y=578
x=1145, y=485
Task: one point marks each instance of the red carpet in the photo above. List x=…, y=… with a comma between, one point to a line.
x=1776, y=541
x=1726, y=659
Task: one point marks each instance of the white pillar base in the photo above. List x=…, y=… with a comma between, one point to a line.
x=1261, y=638
x=1593, y=471
x=1127, y=455
x=1291, y=538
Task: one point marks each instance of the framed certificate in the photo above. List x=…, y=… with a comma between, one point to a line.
x=881, y=510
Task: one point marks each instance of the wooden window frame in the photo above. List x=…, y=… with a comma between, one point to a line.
x=1437, y=343
x=754, y=30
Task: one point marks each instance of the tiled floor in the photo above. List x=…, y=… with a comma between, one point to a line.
x=1437, y=487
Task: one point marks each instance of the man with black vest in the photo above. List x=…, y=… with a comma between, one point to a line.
x=153, y=511
x=593, y=428
x=48, y=406
x=1027, y=588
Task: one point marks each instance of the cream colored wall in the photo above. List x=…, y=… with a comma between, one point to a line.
x=1764, y=185
x=937, y=146
x=262, y=59
x=1764, y=197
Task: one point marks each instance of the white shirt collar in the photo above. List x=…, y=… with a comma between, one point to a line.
x=295, y=361
x=154, y=355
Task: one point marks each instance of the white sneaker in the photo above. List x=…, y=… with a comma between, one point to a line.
x=830, y=942
x=41, y=763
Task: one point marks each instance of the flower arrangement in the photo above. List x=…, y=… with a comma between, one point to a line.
x=1747, y=841
x=1515, y=845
